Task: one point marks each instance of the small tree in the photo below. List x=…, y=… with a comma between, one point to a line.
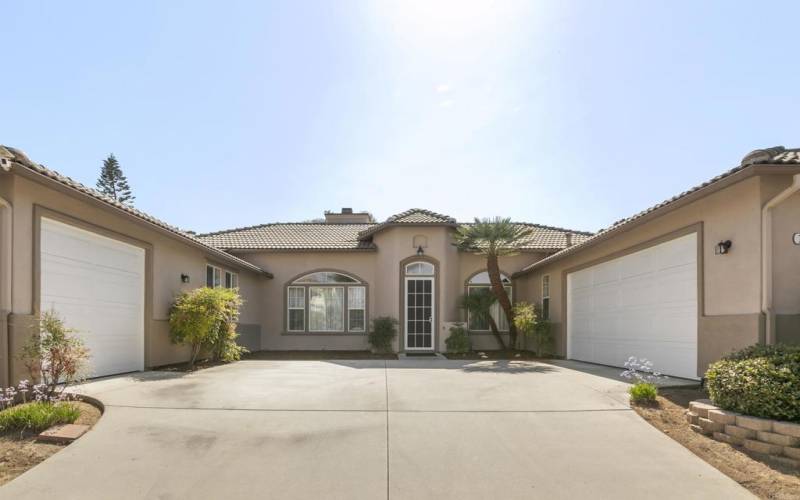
x=494, y=238
x=113, y=183
x=205, y=319
x=479, y=304
x=55, y=355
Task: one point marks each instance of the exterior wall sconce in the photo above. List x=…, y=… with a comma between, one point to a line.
x=184, y=278
x=420, y=251
x=796, y=238
x=723, y=247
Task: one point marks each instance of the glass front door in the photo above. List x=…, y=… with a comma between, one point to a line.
x=419, y=311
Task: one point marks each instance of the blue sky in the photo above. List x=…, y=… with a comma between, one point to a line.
x=237, y=113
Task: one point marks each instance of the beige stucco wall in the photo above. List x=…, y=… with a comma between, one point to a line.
x=731, y=299
x=381, y=270
x=167, y=260
x=786, y=270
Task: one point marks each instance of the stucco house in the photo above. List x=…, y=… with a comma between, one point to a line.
x=682, y=283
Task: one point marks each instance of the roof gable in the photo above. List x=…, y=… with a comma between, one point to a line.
x=413, y=217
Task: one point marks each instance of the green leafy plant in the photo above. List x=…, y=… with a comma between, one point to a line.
x=479, y=304
x=37, y=416
x=763, y=381
x=383, y=332
x=55, y=355
x=458, y=342
x=494, y=238
x=529, y=322
x=643, y=392
x=205, y=319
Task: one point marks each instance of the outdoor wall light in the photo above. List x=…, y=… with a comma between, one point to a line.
x=723, y=247
x=184, y=278
x=420, y=251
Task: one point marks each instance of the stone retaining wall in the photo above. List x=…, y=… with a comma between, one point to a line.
x=779, y=439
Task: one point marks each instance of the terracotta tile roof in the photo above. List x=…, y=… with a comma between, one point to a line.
x=21, y=159
x=770, y=156
x=332, y=236
x=549, y=238
x=415, y=216
x=291, y=236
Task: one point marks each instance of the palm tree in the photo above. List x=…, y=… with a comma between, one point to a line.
x=494, y=238
x=479, y=304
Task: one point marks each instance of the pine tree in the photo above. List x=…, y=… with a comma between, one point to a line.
x=113, y=183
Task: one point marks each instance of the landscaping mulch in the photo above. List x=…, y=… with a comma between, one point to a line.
x=763, y=477
x=21, y=451
x=496, y=355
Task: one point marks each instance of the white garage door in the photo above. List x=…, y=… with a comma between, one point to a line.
x=96, y=284
x=643, y=304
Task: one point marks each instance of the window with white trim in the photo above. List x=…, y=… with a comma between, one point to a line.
x=356, y=308
x=296, y=304
x=213, y=276
x=231, y=280
x=480, y=283
x=326, y=302
x=546, y=296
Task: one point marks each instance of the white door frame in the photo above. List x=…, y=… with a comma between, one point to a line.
x=433, y=313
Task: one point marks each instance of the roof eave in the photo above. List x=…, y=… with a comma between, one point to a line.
x=728, y=180
x=25, y=171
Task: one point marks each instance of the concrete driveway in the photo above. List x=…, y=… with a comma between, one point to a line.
x=410, y=429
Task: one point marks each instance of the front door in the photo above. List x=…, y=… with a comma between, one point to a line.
x=419, y=314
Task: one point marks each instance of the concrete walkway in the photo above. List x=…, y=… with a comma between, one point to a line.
x=411, y=429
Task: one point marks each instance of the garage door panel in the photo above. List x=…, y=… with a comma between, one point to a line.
x=643, y=304
x=96, y=284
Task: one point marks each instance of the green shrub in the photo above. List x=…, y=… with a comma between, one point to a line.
x=643, y=392
x=205, y=319
x=54, y=354
x=458, y=341
x=37, y=416
x=529, y=321
x=383, y=332
x=763, y=381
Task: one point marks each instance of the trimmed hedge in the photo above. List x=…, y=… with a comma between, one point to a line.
x=762, y=381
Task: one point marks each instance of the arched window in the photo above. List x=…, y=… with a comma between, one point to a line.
x=419, y=269
x=480, y=283
x=326, y=301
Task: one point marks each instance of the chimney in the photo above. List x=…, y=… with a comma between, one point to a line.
x=347, y=216
x=569, y=239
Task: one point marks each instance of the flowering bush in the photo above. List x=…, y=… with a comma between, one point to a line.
x=640, y=370
x=55, y=355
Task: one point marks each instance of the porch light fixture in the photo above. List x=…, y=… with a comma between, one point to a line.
x=184, y=278
x=723, y=247
x=420, y=251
